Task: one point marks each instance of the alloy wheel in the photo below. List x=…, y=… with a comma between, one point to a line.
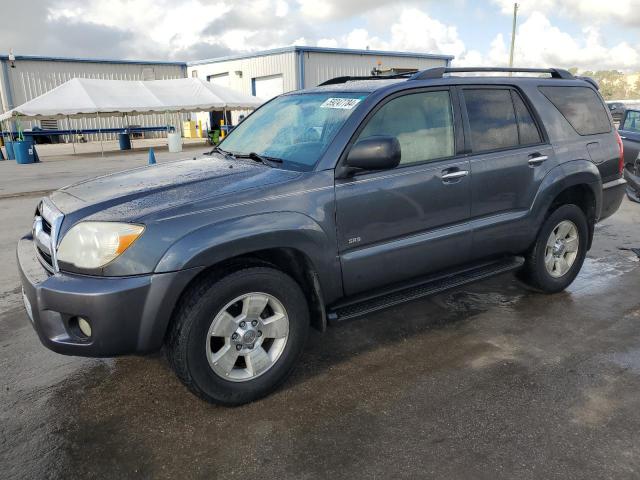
x=247, y=337
x=561, y=249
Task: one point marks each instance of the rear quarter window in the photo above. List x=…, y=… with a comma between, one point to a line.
x=582, y=108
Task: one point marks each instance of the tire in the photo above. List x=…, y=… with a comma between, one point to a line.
x=200, y=345
x=536, y=272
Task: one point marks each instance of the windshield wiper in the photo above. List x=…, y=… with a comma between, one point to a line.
x=217, y=149
x=270, y=161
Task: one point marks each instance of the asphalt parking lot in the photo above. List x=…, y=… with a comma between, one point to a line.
x=486, y=381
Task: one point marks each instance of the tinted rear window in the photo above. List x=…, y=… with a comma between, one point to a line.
x=529, y=134
x=581, y=107
x=492, y=119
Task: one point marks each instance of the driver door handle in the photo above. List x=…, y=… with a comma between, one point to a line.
x=454, y=175
x=536, y=160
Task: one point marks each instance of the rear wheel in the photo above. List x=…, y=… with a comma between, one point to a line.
x=559, y=252
x=235, y=339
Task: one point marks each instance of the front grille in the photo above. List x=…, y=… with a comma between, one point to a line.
x=45, y=229
x=46, y=226
x=45, y=259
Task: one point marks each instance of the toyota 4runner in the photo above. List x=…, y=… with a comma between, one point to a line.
x=322, y=205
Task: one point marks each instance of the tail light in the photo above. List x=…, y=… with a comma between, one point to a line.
x=621, y=159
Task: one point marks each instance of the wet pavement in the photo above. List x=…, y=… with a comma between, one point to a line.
x=485, y=381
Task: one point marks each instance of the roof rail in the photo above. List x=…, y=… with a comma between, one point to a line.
x=338, y=80
x=439, y=72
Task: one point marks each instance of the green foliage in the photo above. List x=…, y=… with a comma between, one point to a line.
x=614, y=85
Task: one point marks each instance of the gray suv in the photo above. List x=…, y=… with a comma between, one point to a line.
x=323, y=205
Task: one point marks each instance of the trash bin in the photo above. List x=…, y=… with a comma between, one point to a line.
x=23, y=152
x=125, y=141
x=10, y=153
x=32, y=142
x=175, y=142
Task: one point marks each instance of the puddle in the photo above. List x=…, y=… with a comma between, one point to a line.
x=598, y=273
x=464, y=302
x=628, y=360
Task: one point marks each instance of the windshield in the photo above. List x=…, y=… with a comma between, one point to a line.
x=293, y=128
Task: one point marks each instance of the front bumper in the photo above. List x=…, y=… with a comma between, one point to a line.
x=127, y=314
x=612, y=195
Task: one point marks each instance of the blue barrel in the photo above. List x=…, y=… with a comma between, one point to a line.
x=24, y=152
x=125, y=141
x=10, y=153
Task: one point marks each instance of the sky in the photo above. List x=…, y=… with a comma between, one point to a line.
x=587, y=34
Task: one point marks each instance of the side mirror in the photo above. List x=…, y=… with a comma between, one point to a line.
x=380, y=152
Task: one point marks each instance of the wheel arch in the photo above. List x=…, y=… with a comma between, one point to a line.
x=288, y=241
x=290, y=261
x=576, y=182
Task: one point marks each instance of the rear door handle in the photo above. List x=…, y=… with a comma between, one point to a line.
x=536, y=160
x=454, y=175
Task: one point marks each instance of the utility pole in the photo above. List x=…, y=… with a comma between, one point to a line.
x=513, y=34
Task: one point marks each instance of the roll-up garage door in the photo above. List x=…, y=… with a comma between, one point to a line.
x=268, y=87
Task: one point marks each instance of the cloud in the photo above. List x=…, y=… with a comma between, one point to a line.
x=625, y=12
x=31, y=32
x=541, y=44
x=417, y=31
x=412, y=30
x=195, y=29
x=341, y=9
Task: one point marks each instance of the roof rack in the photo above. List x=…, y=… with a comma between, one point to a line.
x=338, y=80
x=439, y=72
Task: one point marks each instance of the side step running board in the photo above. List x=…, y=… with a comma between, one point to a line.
x=428, y=287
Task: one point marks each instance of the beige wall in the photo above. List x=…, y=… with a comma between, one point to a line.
x=320, y=67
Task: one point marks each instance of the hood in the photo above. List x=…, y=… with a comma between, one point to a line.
x=141, y=191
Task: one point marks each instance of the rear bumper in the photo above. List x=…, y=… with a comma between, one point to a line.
x=127, y=314
x=612, y=195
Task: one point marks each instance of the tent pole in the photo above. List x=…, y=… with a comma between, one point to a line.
x=166, y=122
x=129, y=130
x=100, y=134
x=73, y=140
x=224, y=115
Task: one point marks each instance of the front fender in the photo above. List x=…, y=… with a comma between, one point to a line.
x=217, y=242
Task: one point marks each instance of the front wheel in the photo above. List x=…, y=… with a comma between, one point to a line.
x=559, y=252
x=235, y=339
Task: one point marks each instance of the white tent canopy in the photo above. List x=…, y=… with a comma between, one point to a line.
x=84, y=96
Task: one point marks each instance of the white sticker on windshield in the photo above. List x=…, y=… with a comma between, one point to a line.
x=341, y=103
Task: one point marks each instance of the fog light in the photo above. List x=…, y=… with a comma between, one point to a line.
x=85, y=326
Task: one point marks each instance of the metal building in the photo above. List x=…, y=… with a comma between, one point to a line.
x=30, y=76
x=272, y=72
x=263, y=74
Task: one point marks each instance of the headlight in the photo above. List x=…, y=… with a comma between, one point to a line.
x=94, y=244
